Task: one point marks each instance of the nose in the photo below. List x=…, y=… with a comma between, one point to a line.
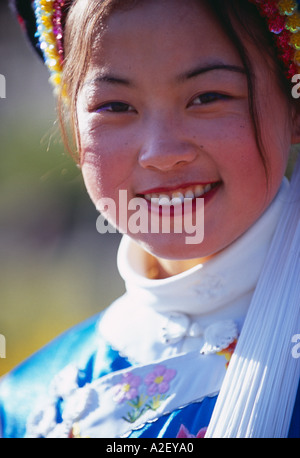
x=163, y=148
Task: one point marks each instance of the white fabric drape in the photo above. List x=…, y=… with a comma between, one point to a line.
x=259, y=390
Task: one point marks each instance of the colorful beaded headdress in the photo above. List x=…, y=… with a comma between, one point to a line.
x=44, y=23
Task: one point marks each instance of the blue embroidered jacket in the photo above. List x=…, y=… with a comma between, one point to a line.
x=83, y=346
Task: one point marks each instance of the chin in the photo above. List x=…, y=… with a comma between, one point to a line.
x=172, y=246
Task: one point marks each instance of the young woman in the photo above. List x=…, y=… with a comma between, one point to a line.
x=173, y=103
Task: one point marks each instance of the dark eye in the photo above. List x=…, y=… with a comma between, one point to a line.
x=115, y=107
x=208, y=97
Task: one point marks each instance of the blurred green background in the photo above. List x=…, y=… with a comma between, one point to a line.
x=55, y=268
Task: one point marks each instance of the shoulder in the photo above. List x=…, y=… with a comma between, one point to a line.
x=30, y=380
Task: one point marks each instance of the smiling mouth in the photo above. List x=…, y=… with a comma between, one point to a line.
x=177, y=196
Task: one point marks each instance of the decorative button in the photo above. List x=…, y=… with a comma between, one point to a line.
x=219, y=336
x=174, y=328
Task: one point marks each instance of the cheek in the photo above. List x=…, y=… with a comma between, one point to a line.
x=99, y=189
x=96, y=165
x=91, y=181
x=232, y=146
x=241, y=169
x=106, y=169
x=276, y=130
x=103, y=160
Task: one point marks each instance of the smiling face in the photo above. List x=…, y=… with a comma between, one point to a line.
x=164, y=111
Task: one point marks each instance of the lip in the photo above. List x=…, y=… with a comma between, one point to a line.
x=158, y=209
x=166, y=189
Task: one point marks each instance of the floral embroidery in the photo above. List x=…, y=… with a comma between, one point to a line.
x=139, y=407
x=75, y=432
x=43, y=421
x=184, y=433
x=128, y=388
x=158, y=380
x=228, y=352
x=80, y=403
x=143, y=395
x=68, y=404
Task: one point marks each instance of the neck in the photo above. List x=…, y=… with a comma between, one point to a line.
x=159, y=268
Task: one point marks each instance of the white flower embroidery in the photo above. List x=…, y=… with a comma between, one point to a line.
x=80, y=403
x=41, y=422
x=77, y=403
x=65, y=382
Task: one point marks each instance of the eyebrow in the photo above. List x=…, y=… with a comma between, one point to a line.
x=110, y=79
x=193, y=73
x=201, y=69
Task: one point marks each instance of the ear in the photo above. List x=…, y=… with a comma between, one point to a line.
x=296, y=124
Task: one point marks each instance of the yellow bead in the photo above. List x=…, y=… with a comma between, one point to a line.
x=52, y=52
x=65, y=95
x=46, y=21
x=295, y=40
x=47, y=8
x=55, y=66
x=49, y=38
x=47, y=5
x=297, y=57
x=287, y=7
x=55, y=79
x=293, y=22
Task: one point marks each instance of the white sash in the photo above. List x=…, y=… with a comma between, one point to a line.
x=118, y=403
x=259, y=390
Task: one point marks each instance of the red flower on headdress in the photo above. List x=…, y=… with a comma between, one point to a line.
x=269, y=8
x=276, y=23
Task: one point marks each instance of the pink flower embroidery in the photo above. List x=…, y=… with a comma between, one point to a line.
x=184, y=433
x=158, y=380
x=128, y=388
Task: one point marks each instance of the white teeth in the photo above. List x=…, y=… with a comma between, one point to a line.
x=199, y=190
x=177, y=194
x=189, y=194
x=177, y=197
x=164, y=199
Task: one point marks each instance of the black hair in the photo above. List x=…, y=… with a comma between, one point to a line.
x=237, y=17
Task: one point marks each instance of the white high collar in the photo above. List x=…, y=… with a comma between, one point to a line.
x=160, y=318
